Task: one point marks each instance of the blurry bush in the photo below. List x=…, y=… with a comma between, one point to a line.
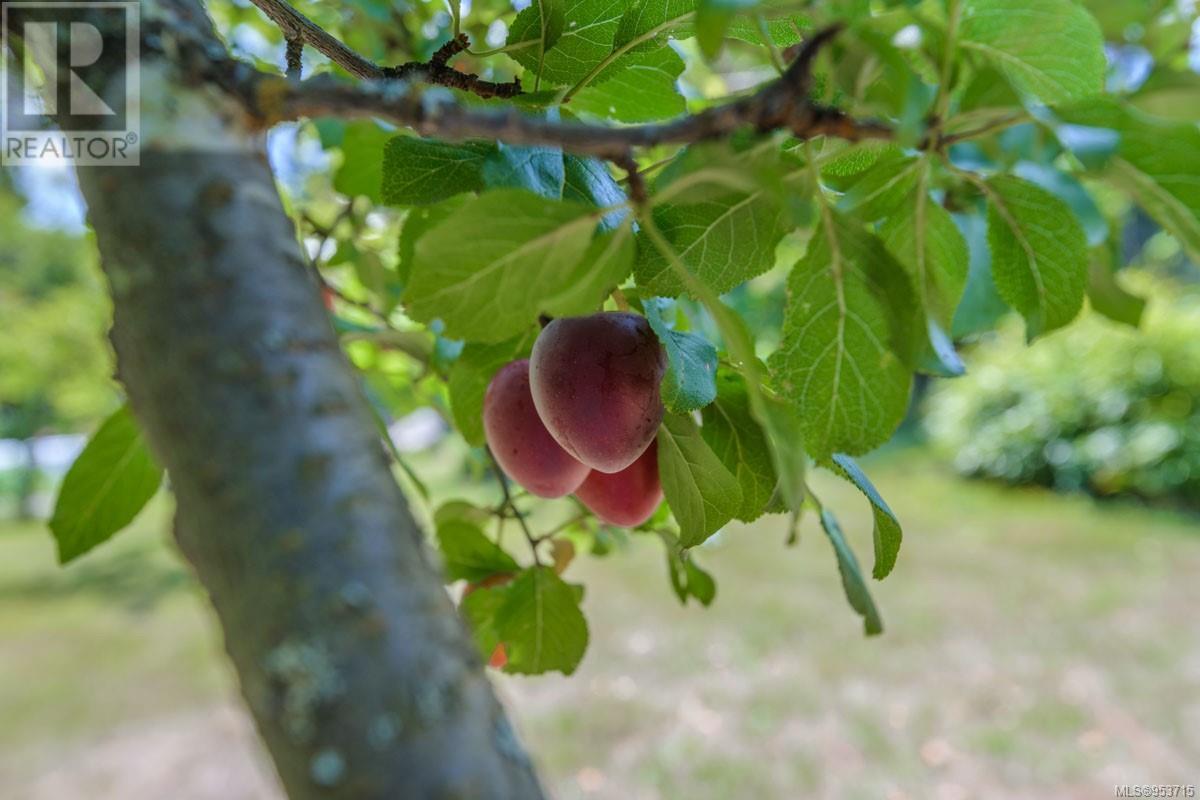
x=1098, y=406
x=55, y=366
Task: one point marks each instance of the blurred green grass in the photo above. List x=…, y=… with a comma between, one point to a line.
x=1036, y=645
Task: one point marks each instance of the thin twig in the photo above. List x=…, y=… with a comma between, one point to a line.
x=508, y=501
x=633, y=178
x=507, y=48
x=298, y=28
x=350, y=301
x=326, y=233
x=557, y=529
x=294, y=58
x=644, y=171
x=438, y=71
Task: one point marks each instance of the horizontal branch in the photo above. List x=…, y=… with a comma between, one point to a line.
x=780, y=105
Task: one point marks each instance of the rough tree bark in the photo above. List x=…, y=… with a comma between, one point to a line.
x=359, y=674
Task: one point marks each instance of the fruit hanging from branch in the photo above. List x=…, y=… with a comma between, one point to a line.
x=626, y=498
x=523, y=447
x=595, y=382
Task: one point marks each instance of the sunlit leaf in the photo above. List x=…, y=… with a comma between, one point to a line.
x=1051, y=49
x=701, y=491
x=1039, y=253
x=109, y=483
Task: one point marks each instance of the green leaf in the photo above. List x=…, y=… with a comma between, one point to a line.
x=469, y=555
x=937, y=356
x=737, y=439
x=587, y=37
x=541, y=624
x=486, y=270
x=647, y=23
x=1106, y=294
x=779, y=422
x=1115, y=16
x=880, y=189
x=931, y=249
x=642, y=92
x=784, y=28
x=888, y=534
x=587, y=180
x=417, y=222
x=718, y=171
x=480, y=608
x=852, y=578
x=1071, y=192
x=712, y=21
x=1039, y=253
x=690, y=382
x=1170, y=95
x=724, y=241
x=1051, y=49
x=702, y=493
x=553, y=15
x=361, y=172
x=687, y=578
x=988, y=88
x=470, y=376
x=423, y=171
x=785, y=435
x=981, y=306
x=779, y=419
x=1156, y=161
x=109, y=483
x=1176, y=207
x=538, y=169
x=847, y=338
x=461, y=511
x=853, y=158
x=606, y=264
x=700, y=583
x=541, y=24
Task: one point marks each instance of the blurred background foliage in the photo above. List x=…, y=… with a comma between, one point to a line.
x=54, y=362
x=1098, y=406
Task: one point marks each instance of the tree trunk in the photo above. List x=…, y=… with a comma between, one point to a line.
x=351, y=657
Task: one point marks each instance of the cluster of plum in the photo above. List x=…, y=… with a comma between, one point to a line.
x=581, y=414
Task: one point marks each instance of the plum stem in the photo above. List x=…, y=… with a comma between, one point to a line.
x=562, y=527
x=508, y=502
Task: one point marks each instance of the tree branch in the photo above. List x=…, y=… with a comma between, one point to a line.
x=298, y=28
x=780, y=105
x=394, y=94
x=439, y=72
